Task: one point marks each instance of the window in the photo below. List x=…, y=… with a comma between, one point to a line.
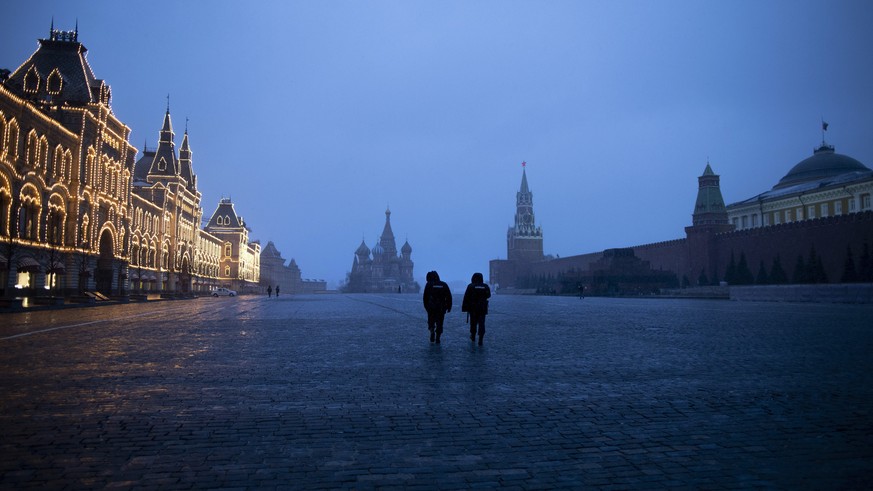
x=55, y=83
x=755, y=220
x=810, y=212
x=736, y=222
x=851, y=205
x=787, y=216
x=228, y=249
x=838, y=207
x=31, y=80
x=766, y=219
x=824, y=210
x=745, y=221
x=798, y=214
x=865, y=201
x=776, y=218
x=32, y=149
x=227, y=271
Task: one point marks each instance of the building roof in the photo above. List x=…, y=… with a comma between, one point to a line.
x=270, y=251
x=62, y=53
x=225, y=216
x=824, y=164
x=165, y=164
x=825, y=168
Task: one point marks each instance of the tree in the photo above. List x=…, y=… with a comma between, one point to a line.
x=849, y=273
x=815, y=272
x=10, y=250
x=800, y=271
x=866, y=270
x=777, y=273
x=742, y=275
x=730, y=274
x=762, y=278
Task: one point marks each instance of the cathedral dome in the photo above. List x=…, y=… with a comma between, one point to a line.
x=406, y=249
x=363, y=250
x=824, y=163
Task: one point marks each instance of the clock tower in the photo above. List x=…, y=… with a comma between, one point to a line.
x=524, y=240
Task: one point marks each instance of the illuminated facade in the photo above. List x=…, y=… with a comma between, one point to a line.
x=78, y=214
x=239, y=263
x=169, y=252
x=385, y=271
x=65, y=175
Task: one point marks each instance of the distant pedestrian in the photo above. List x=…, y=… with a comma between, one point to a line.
x=437, y=302
x=475, y=303
x=581, y=288
x=269, y=291
x=277, y=291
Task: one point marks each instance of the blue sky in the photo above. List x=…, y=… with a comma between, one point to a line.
x=316, y=116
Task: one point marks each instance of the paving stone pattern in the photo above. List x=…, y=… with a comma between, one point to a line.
x=345, y=391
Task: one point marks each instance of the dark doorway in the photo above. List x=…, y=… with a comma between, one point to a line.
x=185, y=275
x=104, y=264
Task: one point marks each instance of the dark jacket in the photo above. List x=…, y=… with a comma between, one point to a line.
x=476, y=297
x=437, y=296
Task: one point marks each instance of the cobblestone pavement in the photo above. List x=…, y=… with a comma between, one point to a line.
x=345, y=391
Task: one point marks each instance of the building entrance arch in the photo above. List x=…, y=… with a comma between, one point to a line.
x=104, y=263
x=185, y=275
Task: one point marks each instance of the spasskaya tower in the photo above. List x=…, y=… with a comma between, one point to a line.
x=524, y=240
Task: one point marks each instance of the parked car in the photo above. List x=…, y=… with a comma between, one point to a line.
x=223, y=292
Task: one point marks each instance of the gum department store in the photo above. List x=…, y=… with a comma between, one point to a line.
x=79, y=214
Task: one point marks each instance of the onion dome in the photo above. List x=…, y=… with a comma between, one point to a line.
x=363, y=250
x=406, y=249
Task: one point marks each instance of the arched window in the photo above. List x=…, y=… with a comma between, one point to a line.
x=32, y=149
x=43, y=153
x=12, y=133
x=227, y=271
x=57, y=168
x=67, y=169
x=5, y=208
x=54, y=83
x=89, y=166
x=2, y=136
x=28, y=213
x=31, y=80
x=226, y=220
x=134, y=254
x=55, y=220
x=228, y=249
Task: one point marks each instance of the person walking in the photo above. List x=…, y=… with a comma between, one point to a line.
x=269, y=291
x=277, y=291
x=475, y=303
x=437, y=302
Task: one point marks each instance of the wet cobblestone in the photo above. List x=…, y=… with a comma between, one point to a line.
x=345, y=391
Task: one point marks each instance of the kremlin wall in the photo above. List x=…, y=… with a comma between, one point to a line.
x=814, y=227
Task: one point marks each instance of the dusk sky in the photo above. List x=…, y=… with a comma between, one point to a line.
x=316, y=116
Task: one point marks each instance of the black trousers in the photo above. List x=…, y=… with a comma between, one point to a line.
x=435, y=321
x=477, y=321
